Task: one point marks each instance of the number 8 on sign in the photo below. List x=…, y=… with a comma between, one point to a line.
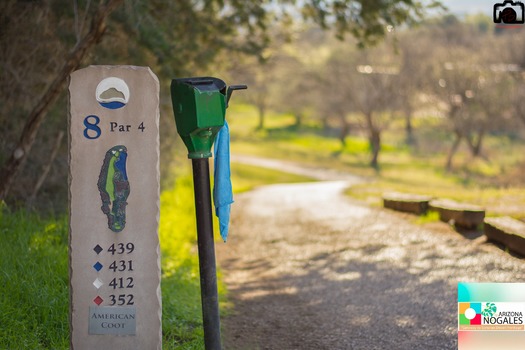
x=92, y=126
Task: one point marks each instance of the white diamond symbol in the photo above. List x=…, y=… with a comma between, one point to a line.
x=98, y=283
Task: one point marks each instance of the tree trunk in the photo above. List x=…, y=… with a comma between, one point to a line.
x=475, y=147
x=262, y=112
x=522, y=117
x=375, y=146
x=46, y=169
x=453, y=150
x=409, y=129
x=343, y=132
x=298, y=120
x=37, y=115
x=374, y=140
x=326, y=125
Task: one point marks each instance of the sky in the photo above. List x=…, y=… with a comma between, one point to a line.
x=467, y=7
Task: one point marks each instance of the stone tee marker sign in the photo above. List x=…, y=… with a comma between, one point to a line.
x=114, y=208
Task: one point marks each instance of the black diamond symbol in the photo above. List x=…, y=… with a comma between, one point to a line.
x=98, y=249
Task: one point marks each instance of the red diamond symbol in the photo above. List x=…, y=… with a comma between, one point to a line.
x=98, y=300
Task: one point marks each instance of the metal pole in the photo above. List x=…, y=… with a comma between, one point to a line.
x=208, y=273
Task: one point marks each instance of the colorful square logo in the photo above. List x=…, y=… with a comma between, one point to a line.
x=469, y=313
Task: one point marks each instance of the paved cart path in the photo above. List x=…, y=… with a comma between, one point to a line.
x=309, y=268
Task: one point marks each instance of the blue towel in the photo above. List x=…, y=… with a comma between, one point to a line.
x=222, y=187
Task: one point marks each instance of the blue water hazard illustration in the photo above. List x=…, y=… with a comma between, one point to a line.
x=112, y=93
x=114, y=188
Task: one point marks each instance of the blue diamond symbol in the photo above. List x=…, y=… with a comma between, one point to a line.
x=98, y=266
x=98, y=249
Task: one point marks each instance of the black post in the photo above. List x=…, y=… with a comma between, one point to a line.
x=208, y=273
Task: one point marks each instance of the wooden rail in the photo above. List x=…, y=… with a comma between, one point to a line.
x=460, y=214
x=507, y=231
x=409, y=203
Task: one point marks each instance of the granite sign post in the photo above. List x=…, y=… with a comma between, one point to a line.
x=114, y=208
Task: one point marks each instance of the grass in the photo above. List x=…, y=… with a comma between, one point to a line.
x=246, y=177
x=429, y=216
x=34, y=296
x=182, y=318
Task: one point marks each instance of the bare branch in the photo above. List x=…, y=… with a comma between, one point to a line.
x=37, y=115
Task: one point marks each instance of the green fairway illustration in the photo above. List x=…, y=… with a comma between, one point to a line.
x=113, y=186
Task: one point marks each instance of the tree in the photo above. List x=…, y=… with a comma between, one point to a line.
x=154, y=32
x=37, y=114
x=336, y=89
x=363, y=83
x=296, y=88
x=518, y=99
x=366, y=20
x=261, y=79
x=374, y=95
x=454, y=84
x=472, y=84
x=513, y=46
x=415, y=50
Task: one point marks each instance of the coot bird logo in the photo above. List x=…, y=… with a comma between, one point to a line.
x=112, y=93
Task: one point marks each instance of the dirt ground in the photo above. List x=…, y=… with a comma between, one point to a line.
x=309, y=268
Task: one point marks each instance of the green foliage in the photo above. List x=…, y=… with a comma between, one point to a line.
x=182, y=319
x=429, y=216
x=161, y=27
x=34, y=296
x=145, y=32
x=481, y=21
x=363, y=19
